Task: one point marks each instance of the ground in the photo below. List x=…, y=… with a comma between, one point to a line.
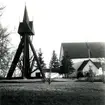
x=57, y=93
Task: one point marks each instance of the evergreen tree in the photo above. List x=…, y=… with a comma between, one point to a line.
x=54, y=63
x=66, y=65
x=40, y=57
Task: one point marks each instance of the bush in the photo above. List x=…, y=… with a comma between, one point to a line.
x=79, y=75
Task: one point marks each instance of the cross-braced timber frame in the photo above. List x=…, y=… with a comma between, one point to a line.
x=25, y=30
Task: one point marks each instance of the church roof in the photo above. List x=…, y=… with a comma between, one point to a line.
x=80, y=50
x=83, y=65
x=97, y=64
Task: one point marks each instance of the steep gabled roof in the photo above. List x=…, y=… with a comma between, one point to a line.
x=80, y=50
x=83, y=65
x=97, y=64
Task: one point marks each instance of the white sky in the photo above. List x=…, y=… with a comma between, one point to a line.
x=57, y=21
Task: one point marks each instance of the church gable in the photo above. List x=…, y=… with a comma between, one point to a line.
x=88, y=65
x=84, y=67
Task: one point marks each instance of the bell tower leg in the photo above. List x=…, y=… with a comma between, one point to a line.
x=16, y=59
x=26, y=63
x=35, y=56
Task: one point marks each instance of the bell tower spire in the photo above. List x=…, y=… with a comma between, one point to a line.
x=26, y=18
x=26, y=27
x=26, y=31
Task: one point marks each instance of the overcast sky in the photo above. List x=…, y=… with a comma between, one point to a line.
x=57, y=21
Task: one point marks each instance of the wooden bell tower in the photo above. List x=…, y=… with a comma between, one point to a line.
x=26, y=31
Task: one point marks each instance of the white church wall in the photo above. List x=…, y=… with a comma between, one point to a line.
x=34, y=73
x=53, y=75
x=61, y=53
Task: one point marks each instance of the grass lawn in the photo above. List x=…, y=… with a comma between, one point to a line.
x=57, y=93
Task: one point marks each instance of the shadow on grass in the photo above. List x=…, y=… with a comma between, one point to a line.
x=87, y=80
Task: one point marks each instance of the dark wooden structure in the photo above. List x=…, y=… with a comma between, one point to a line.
x=26, y=31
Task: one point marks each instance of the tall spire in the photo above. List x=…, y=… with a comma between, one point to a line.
x=26, y=18
x=26, y=27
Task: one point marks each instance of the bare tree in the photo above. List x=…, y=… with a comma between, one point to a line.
x=5, y=54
